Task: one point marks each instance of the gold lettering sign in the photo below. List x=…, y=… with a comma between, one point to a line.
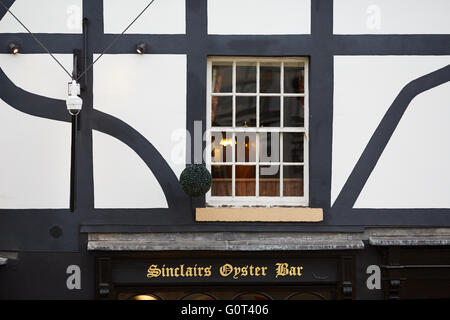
x=244, y=271
x=281, y=269
x=181, y=271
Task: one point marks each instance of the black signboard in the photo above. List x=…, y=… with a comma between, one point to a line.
x=220, y=270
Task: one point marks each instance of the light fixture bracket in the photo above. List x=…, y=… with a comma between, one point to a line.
x=141, y=47
x=14, y=48
x=73, y=101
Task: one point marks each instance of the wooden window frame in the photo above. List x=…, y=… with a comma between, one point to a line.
x=257, y=200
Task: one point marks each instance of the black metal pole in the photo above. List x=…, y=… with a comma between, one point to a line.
x=73, y=164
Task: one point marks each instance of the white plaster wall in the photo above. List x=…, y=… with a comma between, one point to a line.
x=148, y=92
x=413, y=171
x=38, y=73
x=259, y=16
x=391, y=17
x=44, y=16
x=162, y=17
x=35, y=161
x=35, y=152
x=121, y=177
x=364, y=88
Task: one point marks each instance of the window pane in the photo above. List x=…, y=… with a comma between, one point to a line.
x=235, y=164
x=293, y=181
x=269, y=111
x=294, y=77
x=269, y=181
x=270, y=78
x=245, y=181
x=221, y=146
x=222, y=76
x=246, y=111
x=294, y=112
x=269, y=147
x=222, y=111
x=245, y=147
x=293, y=147
x=221, y=180
x=246, y=77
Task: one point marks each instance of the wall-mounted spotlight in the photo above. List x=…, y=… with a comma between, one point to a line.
x=14, y=48
x=141, y=47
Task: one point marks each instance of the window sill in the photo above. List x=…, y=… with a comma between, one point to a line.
x=259, y=214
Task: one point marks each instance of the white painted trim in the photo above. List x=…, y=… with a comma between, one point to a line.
x=256, y=201
x=306, y=140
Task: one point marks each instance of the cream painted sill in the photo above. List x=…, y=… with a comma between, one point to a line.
x=259, y=214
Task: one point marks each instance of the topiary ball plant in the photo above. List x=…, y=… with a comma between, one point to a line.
x=195, y=180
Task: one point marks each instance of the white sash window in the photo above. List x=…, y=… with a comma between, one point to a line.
x=257, y=120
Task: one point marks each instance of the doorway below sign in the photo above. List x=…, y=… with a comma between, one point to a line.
x=228, y=293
